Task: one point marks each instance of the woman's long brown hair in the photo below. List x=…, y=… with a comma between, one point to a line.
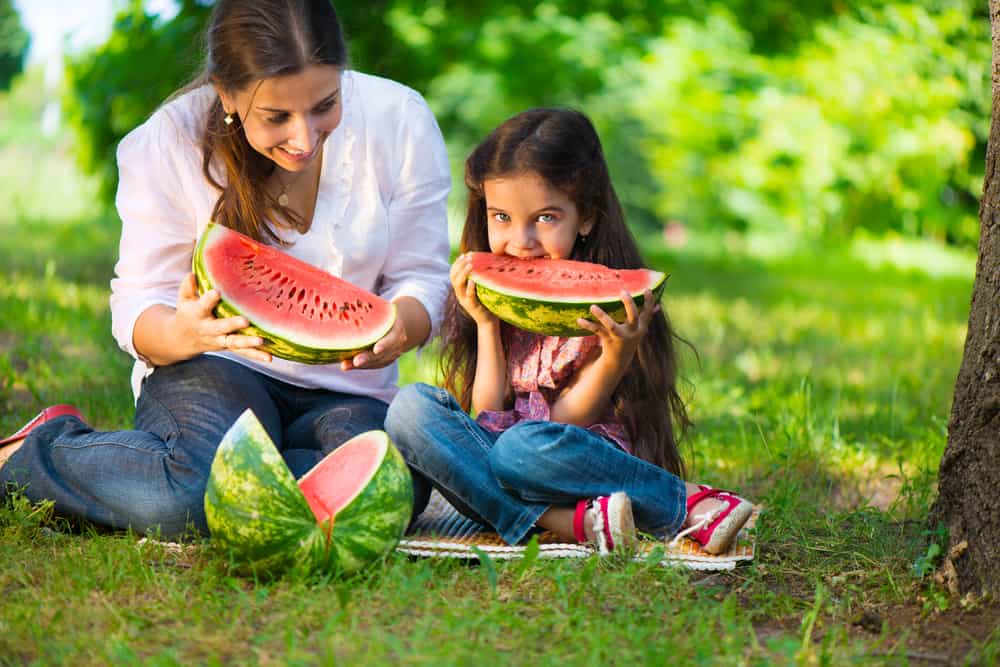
x=249, y=41
x=562, y=146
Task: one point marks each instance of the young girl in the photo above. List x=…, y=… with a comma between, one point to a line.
x=573, y=435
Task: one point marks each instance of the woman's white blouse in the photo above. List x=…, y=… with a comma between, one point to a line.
x=380, y=220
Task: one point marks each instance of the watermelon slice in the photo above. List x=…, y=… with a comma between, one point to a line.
x=348, y=511
x=547, y=296
x=302, y=312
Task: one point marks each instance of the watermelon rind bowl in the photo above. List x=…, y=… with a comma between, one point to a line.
x=257, y=512
x=255, y=509
x=373, y=522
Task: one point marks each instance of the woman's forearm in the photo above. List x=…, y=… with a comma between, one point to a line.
x=154, y=340
x=416, y=321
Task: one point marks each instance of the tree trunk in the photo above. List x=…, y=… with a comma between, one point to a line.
x=968, y=502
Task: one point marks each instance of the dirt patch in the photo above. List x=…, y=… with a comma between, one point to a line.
x=877, y=488
x=952, y=637
x=917, y=632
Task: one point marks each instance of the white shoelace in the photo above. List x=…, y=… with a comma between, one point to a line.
x=700, y=522
x=598, y=525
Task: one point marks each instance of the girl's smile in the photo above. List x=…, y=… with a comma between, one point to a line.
x=528, y=218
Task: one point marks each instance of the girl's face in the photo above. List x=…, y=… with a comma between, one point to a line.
x=287, y=118
x=528, y=218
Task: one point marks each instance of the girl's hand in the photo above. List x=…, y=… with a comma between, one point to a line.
x=620, y=341
x=196, y=327
x=465, y=292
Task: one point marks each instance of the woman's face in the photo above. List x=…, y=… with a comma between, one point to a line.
x=287, y=118
x=527, y=218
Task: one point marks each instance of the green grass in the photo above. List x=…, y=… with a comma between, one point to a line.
x=821, y=388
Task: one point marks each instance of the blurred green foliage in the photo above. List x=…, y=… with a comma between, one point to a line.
x=14, y=43
x=816, y=118
x=114, y=87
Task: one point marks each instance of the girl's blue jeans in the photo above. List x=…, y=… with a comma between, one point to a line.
x=154, y=477
x=508, y=480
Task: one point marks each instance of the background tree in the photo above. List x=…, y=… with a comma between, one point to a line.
x=969, y=474
x=14, y=43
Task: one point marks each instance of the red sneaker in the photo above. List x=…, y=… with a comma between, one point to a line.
x=46, y=415
x=715, y=530
x=613, y=525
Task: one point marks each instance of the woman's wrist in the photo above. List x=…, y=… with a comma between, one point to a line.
x=156, y=340
x=415, y=320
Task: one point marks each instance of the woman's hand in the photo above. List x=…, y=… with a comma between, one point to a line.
x=386, y=350
x=411, y=328
x=620, y=341
x=195, y=326
x=465, y=292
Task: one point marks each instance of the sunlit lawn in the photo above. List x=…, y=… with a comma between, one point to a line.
x=821, y=388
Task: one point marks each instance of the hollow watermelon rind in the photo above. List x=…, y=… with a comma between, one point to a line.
x=275, y=343
x=374, y=521
x=255, y=509
x=557, y=316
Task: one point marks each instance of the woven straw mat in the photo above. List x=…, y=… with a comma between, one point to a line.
x=441, y=532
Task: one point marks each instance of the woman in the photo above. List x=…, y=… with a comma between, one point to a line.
x=280, y=140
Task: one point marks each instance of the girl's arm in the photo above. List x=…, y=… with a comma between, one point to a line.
x=586, y=398
x=489, y=387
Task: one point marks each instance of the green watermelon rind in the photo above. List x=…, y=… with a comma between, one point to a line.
x=556, y=317
x=372, y=523
x=254, y=507
x=276, y=344
x=257, y=512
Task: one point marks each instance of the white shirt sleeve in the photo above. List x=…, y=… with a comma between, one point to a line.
x=417, y=262
x=159, y=226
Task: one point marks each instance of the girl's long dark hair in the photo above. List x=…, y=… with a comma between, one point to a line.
x=562, y=146
x=248, y=41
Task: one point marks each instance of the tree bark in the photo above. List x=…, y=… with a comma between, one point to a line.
x=968, y=501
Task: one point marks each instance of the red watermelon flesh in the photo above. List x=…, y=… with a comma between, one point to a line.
x=287, y=299
x=558, y=280
x=342, y=474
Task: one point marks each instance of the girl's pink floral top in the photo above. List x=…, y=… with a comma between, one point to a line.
x=539, y=367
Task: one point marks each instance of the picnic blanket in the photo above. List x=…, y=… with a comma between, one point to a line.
x=442, y=532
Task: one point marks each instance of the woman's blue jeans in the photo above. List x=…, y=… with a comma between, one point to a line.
x=508, y=480
x=154, y=477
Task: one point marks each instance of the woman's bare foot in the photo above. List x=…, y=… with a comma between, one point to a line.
x=13, y=442
x=8, y=450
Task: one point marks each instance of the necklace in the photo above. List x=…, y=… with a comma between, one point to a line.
x=283, y=195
